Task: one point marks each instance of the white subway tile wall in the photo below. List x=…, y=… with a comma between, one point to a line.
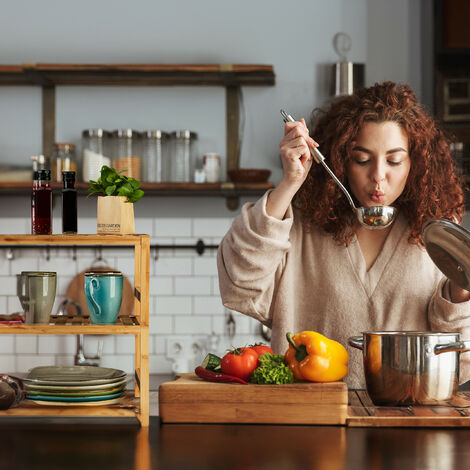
x=187, y=318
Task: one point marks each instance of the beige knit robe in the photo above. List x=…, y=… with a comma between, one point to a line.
x=293, y=280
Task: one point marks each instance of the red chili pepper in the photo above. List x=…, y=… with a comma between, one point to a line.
x=217, y=376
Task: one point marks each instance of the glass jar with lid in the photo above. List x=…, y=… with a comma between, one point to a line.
x=126, y=154
x=183, y=155
x=95, y=145
x=63, y=159
x=155, y=156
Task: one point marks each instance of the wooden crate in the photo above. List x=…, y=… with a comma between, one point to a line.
x=363, y=413
x=189, y=399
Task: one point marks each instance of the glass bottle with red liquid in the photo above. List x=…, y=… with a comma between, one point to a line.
x=41, y=203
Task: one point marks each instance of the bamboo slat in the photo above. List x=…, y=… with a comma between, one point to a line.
x=363, y=413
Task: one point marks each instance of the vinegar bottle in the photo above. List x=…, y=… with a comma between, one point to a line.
x=41, y=203
x=69, y=203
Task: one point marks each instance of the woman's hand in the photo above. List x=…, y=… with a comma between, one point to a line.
x=295, y=153
x=457, y=294
x=296, y=163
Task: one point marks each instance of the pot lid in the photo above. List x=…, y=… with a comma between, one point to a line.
x=448, y=245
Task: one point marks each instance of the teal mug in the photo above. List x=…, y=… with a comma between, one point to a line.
x=103, y=292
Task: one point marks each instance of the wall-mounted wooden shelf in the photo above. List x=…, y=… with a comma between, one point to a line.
x=230, y=76
x=231, y=191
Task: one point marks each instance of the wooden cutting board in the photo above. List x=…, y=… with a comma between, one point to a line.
x=76, y=291
x=189, y=399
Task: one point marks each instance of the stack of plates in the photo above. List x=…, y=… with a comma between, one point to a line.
x=82, y=385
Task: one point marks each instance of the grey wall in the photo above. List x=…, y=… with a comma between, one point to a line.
x=295, y=37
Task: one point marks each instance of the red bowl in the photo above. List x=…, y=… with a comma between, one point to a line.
x=249, y=175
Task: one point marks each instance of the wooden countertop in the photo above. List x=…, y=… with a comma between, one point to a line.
x=220, y=446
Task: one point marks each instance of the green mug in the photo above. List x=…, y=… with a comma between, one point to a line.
x=36, y=291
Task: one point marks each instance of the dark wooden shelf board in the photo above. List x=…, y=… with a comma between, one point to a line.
x=137, y=74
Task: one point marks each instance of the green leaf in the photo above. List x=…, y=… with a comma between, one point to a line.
x=110, y=190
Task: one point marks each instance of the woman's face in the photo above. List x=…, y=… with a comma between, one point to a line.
x=379, y=164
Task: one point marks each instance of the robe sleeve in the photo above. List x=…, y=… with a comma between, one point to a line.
x=251, y=258
x=451, y=317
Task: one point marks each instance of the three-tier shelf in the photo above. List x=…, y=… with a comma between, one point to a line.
x=134, y=404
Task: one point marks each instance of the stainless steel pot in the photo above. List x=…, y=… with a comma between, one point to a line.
x=409, y=367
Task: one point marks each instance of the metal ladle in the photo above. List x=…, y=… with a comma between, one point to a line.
x=374, y=217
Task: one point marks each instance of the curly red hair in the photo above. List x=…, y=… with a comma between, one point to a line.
x=433, y=188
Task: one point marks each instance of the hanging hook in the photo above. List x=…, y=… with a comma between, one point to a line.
x=74, y=253
x=155, y=258
x=10, y=255
x=48, y=253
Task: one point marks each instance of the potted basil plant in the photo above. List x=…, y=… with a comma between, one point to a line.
x=116, y=196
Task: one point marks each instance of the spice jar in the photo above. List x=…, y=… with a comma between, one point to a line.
x=126, y=152
x=63, y=160
x=155, y=156
x=95, y=143
x=183, y=154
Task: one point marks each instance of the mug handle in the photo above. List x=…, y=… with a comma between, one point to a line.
x=356, y=342
x=94, y=284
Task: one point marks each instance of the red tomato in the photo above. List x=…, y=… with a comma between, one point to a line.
x=261, y=349
x=240, y=363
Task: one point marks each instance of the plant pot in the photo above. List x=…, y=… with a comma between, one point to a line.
x=115, y=215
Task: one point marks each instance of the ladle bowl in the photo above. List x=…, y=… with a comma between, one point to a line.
x=374, y=217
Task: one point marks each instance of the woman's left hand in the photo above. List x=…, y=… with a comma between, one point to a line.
x=457, y=294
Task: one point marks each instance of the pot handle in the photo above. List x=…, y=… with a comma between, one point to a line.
x=459, y=346
x=357, y=342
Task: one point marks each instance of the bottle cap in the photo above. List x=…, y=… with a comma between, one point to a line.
x=44, y=175
x=68, y=175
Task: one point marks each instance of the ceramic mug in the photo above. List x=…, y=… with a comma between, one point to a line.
x=36, y=291
x=103, y=292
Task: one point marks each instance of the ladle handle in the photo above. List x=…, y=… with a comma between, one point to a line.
x=319, y=158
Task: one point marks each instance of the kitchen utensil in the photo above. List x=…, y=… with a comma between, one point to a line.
x=74, y=375
x=76, y=291
x=36, y=291
x=74, y=399
x=189, y=399
x=374, y=217
x=103, y=291
x=111, y=401
x=409, y=367
x=76, y=388
x=448, y=245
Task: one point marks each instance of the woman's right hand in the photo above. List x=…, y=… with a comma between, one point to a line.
x=296, y=163
x=295, y=153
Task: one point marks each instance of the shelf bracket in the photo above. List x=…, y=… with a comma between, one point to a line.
x=232, y=201
x=232, y=100
x=48, y=120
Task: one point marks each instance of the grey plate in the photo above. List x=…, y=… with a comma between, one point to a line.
x=73, y=375
x=71, y=388
x=448, y=245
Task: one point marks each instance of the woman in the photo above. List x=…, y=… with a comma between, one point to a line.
x=299, y=260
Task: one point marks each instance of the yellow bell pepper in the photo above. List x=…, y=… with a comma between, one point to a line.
x=313, y=357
